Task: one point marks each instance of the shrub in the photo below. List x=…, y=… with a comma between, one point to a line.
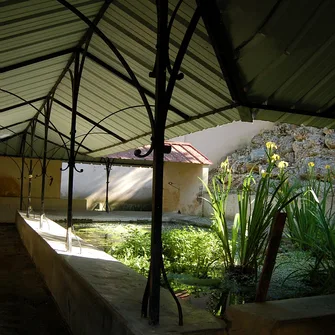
x=134, y=251
x=190, y=250
x=245, y=242
x=193, y=251
x=304, y=214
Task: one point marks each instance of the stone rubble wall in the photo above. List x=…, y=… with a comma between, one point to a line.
x=297, y=145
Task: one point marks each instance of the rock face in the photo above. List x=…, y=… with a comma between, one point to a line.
x=297, y=145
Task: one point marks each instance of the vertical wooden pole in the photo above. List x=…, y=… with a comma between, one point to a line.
x=271, y=254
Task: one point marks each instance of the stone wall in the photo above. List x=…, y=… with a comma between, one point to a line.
x=297, y=145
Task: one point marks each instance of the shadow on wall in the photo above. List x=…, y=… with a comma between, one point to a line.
x=221, y=141
x=9, y=187
x=128, y=187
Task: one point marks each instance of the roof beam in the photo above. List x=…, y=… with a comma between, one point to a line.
x=274, y=108
x=329, y=111
x=28, y=102
x=86, y=37
x=14, y=124
x=97, y=161
x=129, y=81
x=37, y=60
x=86, y=118
x=62, y=134
x=54, y=143
x=10, y=137
x=224, y=51
x=196, y=117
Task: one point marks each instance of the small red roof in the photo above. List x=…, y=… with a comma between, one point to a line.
x=180, y=152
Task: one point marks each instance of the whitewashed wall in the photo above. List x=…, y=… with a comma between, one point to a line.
x=126, y=184
x=133, y=185
x=219, y=142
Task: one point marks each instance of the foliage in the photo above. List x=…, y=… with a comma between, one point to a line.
x=231, y=291
x=311, y=227
x=193, y=251
x=134, y=251
x=245, y=242
x=322, y=246
x=218, y=193
x=304, y=213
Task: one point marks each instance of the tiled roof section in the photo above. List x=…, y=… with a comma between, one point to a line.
x=180, y=152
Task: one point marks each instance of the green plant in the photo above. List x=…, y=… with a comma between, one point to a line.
x=254, y=222
x=190, y=250
x=304, y=213
x=218, y=196
x=134, y=251
x=322, y=246
x=244, y=244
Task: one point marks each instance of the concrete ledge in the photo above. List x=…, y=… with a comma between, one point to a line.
x=96, y=294
x=9, y=206
x=305, y=316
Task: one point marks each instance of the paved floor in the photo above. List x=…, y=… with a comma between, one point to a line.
x=26, y=306
x=130, y=216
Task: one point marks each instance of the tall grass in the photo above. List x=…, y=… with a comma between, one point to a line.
x=311, y=227
x=218, y=193
x=303, y=213
x=322, y=246
x=245, y=242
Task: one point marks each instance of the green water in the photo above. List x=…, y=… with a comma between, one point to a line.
x=284, y=283
x=102, y=234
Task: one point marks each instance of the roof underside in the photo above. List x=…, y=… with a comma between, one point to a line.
x=281, y=57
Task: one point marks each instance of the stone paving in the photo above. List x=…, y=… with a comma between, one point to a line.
x=26, y=306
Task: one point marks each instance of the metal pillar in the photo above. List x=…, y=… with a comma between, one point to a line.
x=30, y=178
x=75, y=78
x=22, y=176
x=108, y=170
x=163, y=96
x=30, y=171
x=161, y=108
x=44, y=163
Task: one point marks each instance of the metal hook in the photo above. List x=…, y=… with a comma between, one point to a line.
x=64, y=168
x=79, y=171
x=138, y=152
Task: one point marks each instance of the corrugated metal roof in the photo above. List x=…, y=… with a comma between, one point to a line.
x=180, y=153
x=284, y=58
x=285, y=52
x=132, y=27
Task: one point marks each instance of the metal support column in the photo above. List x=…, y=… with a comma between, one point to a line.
x=75, y=78
x=22, y=170
x=44, y=163
x=158, y=162
x=30, y=171
x=30, y=180
x=108, y=170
